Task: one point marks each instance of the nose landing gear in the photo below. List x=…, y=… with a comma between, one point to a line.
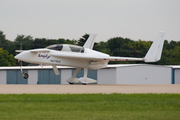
x=25, y=75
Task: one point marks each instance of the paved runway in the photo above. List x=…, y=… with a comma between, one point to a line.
x=78, y=89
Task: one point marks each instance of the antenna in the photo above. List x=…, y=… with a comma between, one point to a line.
x=21, y=46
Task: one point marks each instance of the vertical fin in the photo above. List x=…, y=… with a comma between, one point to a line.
x=90, y=41
x=155, y=51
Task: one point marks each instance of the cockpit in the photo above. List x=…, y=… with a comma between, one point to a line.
x=66, y=47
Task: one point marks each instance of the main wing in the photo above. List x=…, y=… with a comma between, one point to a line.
x=92, y=57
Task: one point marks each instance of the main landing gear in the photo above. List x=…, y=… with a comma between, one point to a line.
x=84, y=80
x=25, y=75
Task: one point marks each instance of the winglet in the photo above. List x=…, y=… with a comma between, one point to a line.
x=90, y=41
x=155, y=51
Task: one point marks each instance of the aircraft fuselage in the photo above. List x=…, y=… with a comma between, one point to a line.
x=45, y=58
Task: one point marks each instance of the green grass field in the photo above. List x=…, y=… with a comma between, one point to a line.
x=89, y=106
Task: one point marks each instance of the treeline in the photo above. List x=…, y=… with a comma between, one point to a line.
x=117, y=46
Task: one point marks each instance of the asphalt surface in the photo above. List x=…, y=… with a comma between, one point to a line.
x=79, y=89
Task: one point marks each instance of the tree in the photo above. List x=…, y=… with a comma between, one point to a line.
x=6, y=59
x=102, y=47
x=6, y=44
x=24, y=42
x=117, y=46
x=82, y=40
x=39, y=43
x=175, y=56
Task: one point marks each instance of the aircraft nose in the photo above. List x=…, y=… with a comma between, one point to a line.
x=18, y=56
x=21, y=56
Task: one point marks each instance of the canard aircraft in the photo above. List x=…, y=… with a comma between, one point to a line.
x=82, y=57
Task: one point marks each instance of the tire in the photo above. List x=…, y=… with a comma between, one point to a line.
x=26, y=76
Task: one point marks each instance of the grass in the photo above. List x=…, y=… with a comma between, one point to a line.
x=89, y=106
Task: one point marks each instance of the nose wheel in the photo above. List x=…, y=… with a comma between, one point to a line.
x=25, y=75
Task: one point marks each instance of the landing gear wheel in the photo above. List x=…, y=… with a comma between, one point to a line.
x=71, y=83
x=84, y=83
x=26, y=76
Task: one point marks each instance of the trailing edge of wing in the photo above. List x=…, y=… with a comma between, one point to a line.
x=124, y=59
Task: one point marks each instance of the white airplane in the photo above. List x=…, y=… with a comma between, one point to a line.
x=82, y=57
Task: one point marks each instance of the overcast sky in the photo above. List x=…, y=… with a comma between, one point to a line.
x=70, y=19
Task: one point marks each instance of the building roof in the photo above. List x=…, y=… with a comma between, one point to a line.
x=67, y=67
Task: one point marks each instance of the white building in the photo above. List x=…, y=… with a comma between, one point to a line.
x=113, y=74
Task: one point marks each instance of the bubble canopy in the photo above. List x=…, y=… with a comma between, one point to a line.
x=66, y=47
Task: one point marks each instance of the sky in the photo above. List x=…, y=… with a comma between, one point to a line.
x=71, y=19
